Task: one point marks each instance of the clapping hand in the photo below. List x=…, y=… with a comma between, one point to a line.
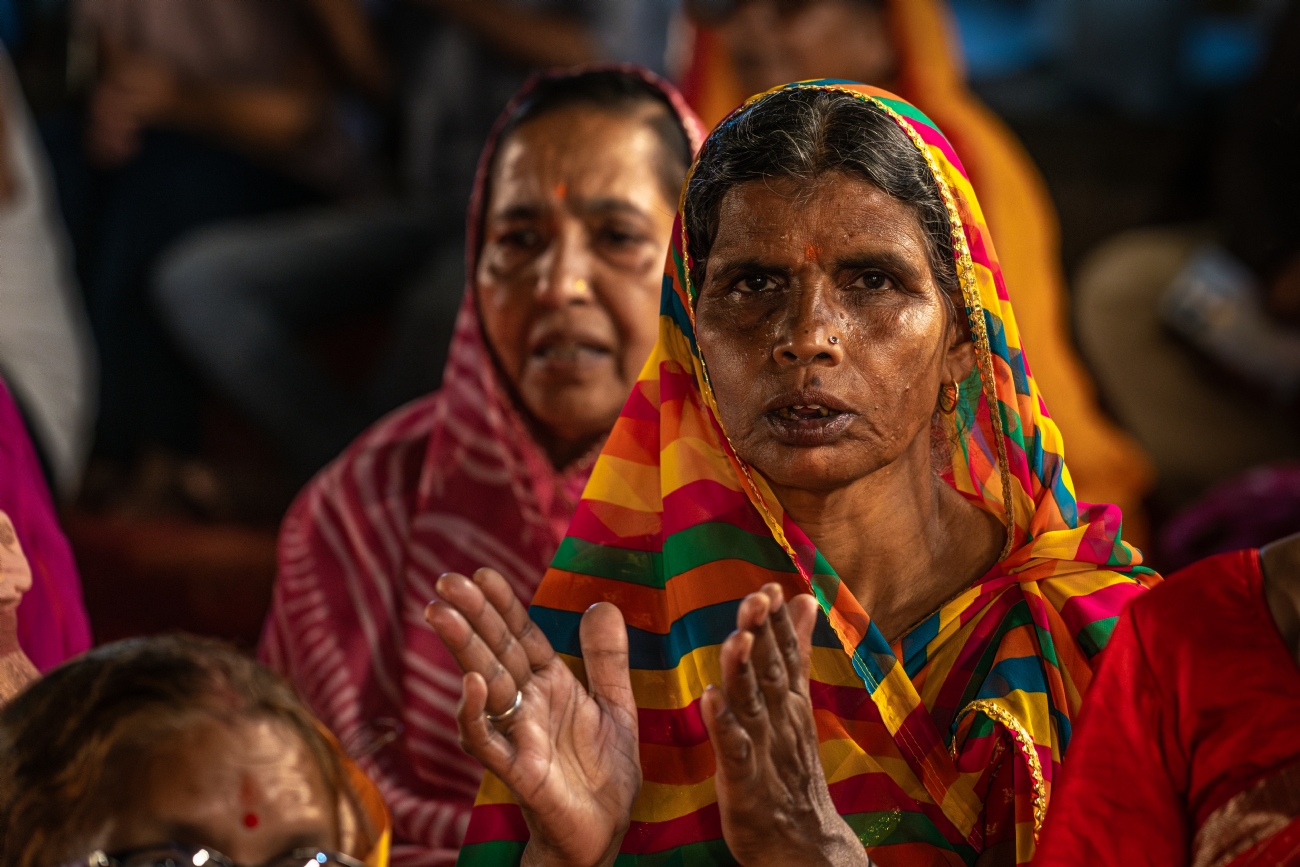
x=772, y=794
x=567, y=751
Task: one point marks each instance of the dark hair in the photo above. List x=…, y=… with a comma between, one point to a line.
x=618, y=92
x=805, y=133
x=69, y=740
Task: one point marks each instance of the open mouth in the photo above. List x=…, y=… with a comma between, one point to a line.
x=806, y=412
x=808, y=419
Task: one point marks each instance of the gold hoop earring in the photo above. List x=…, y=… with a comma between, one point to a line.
x=950, y=408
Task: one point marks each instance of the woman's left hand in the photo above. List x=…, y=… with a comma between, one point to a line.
x=772, y=793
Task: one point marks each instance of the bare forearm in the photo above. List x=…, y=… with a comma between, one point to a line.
x=539, y=856
x=266, y=119
x=530, y=38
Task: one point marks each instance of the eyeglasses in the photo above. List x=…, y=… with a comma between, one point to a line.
x=178, y=855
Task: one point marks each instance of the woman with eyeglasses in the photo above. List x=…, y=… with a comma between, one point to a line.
x=174, y=751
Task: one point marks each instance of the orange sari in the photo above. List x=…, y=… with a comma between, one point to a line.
x=1107, y=465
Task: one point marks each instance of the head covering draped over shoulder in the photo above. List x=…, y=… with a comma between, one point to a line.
x=675, y=529
x=451, y=482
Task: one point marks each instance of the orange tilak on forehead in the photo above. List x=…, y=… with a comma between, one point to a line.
x=812, y=252
x=561, y=190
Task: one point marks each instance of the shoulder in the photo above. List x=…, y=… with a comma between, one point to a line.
x=1200, y=594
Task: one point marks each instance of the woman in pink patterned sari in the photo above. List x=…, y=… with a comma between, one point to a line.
x=566, y=236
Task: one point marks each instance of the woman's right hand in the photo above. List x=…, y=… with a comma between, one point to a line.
x=569, y=753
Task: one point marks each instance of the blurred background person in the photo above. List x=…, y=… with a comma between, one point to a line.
x=177, y=750
x=52, y=625
x=567, y=230
x=910, y=47
x=243, y=299
x=198, y=111
x=46, y=351
x=1194, y=330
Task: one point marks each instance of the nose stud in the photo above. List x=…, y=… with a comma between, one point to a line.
x=834, y=339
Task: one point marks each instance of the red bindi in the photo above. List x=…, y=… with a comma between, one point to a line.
x=250, y=820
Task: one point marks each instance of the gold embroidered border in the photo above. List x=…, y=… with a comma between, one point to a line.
x=1024, y=741
x=1249, y=818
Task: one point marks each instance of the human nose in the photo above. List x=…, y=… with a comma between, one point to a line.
x=567, y=277
x=809, y=335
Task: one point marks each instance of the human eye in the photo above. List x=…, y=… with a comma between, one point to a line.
x=618, y=235
x=874, y=281
x=756, y=283
x=520, y=238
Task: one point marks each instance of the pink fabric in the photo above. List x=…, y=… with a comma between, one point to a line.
x=52, y=622
x=451, y=482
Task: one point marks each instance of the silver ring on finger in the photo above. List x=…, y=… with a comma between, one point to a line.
x=509, y=713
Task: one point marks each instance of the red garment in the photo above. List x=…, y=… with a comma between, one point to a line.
x=52, y=622
x=1197, y=700
x=451, y=482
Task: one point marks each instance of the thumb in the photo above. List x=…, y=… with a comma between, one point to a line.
x=603, y=636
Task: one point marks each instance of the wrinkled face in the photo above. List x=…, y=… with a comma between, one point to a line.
x=251, y=790
x=576, y=229
x=15, y=573
x=846, y=39
x=825, y=335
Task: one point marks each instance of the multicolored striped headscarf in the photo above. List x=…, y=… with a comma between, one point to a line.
x=675, y=529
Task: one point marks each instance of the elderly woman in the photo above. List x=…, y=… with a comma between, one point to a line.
x=567, y=230
x=838, y=414
x=167, y=751
x=912, y=47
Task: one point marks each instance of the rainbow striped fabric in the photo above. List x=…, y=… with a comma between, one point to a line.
x=676, y=531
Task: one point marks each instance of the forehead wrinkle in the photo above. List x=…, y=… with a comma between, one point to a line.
x=607, y=205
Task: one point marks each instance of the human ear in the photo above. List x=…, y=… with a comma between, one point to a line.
x=960, y=356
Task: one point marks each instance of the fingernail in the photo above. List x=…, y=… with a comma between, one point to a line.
x=712, y=700
x=747, y=639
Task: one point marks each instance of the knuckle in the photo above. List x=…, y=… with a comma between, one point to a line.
x=773, y=673
x=503, y=644
x=752, y=706
x=738, y=751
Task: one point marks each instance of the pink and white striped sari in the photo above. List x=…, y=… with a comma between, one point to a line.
x=451, y=482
